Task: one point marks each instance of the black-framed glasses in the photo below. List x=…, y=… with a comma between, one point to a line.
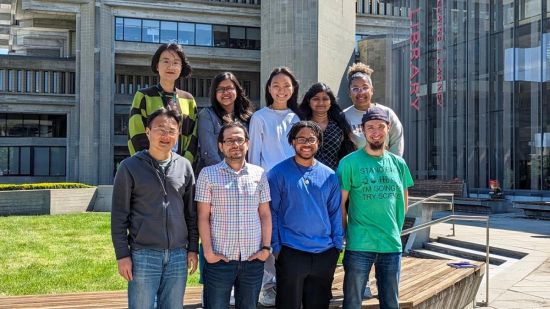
x=237, y=141
x=306, y=140
x=225, y=89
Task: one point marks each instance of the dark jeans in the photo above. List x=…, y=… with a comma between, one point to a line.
x=221, y=276
x=305, y=278
x=357, y=266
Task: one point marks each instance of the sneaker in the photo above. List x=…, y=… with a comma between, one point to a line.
x=232, y=297
x=367, y=294
x=267, y=297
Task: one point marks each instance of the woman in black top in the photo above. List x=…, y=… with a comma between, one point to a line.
x=320, y=105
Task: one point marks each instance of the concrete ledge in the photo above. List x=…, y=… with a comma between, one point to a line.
x=537, y=210
x=44, y=202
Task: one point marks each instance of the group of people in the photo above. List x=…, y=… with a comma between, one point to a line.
x=278, y=192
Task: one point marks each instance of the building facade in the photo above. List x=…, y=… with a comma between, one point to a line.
x=72, y=67
x=471, y=84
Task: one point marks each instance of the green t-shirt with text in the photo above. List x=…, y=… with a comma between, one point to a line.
x=376, y=200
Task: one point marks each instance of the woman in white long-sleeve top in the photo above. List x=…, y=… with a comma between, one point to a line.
x=269, y=128
x=270, y=125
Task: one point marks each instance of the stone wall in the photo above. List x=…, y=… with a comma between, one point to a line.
x=44, y=202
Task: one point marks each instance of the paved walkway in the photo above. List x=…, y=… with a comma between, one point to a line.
x=524, y=284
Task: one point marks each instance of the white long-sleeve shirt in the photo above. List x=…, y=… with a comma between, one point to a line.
x=395, y=140
x=268, y=137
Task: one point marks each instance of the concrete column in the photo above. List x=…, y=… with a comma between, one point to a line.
x=88, y=151
x=106, y=106
x=314, y=38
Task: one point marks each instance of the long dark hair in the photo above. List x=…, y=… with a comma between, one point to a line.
x=334, y=113
x=292, y=102
x=243, y=108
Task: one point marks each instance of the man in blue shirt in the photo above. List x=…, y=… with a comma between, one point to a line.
x=307, y=224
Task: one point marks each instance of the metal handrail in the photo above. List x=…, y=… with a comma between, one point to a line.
x=465, y=218
x=438, y=195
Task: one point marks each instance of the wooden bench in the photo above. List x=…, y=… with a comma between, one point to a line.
x=537, y=210
x=429, y=187
x=425, y=283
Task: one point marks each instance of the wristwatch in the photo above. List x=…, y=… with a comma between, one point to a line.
x=268, y=248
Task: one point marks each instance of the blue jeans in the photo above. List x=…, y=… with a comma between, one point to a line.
x=357, y=265
x=221, y=276
x=159, y=276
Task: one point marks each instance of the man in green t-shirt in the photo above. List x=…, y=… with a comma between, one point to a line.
x=376, y=183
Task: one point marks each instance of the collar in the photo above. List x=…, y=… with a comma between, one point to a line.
x=225, y=166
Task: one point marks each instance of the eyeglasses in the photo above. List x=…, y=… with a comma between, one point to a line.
x=168, y=63
x=238, y=142
x=306, y=140
x=225, y=89
x=360, y=89
x=164, y=132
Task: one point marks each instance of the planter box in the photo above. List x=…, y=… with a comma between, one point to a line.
x=46, y=202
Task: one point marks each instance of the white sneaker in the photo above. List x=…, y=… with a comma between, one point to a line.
x=232, y=297
x=367, y=294
x=267, y=297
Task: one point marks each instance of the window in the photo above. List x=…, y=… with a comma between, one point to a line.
x=37, y=81
x=204, y=34
x=151, y=31
x=132, y=29
x=220, y=36
x=46, y=81
x=237, y=37
x=28, y=84
x=121, y=124
x=33, y=125
x=2, y=74
x=119, y=28
x=186, y=33
x=19, y=80
x=57, y=161
x=253, y=38
x=11, y=80
x=168, y=31
x=41, y=161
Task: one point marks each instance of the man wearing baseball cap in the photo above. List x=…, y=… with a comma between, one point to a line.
x=376, y=182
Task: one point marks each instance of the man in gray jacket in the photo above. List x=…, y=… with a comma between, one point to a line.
x=154, y=218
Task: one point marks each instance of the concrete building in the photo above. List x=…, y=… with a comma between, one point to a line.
x=72, y=66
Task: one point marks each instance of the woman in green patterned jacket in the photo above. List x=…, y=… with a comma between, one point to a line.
x=170, y=63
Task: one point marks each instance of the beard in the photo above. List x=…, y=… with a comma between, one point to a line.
x=376, y=145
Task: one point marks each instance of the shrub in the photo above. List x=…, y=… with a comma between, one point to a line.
x=43, y=186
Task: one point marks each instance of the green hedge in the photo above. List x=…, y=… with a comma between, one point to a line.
x=43, y=186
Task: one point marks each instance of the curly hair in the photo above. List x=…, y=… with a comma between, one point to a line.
x=243, y=108
x=305, y=124
x=359, y=70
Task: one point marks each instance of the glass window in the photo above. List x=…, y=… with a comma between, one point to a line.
x=121, y=124
x=132, y=29
x=46, y=81
x=28, y=84
x=25, y=161
x=15, y=125
x=58, y=125
x=253, y=38
x=57, y=161
x=186, y=33
x=3, y=129
x=37, y=81
x=237, y=37
x=4, y=161
x=168, y=31
x=19, y=80
x=11, y=80
x=13, y=160
x=31, y=125
x=204, y=34
x=41, y=161
x=151, y=30
x=529, y=8
x=220, y=36
x=2, y=74
x=119, y=28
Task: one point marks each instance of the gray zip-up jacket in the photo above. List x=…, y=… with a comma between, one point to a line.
x=153, y=209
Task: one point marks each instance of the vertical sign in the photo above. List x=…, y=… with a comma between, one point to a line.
x=414, y=57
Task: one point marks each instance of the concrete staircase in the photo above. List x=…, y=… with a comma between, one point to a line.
x=456, y=250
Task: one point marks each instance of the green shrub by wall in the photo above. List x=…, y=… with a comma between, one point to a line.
x=43, y=186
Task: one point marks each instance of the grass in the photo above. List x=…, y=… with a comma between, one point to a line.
x=59, y=254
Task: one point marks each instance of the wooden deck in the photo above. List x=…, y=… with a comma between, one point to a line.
x=421, y=281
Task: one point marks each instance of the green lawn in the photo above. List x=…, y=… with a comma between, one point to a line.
x=58, y=254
